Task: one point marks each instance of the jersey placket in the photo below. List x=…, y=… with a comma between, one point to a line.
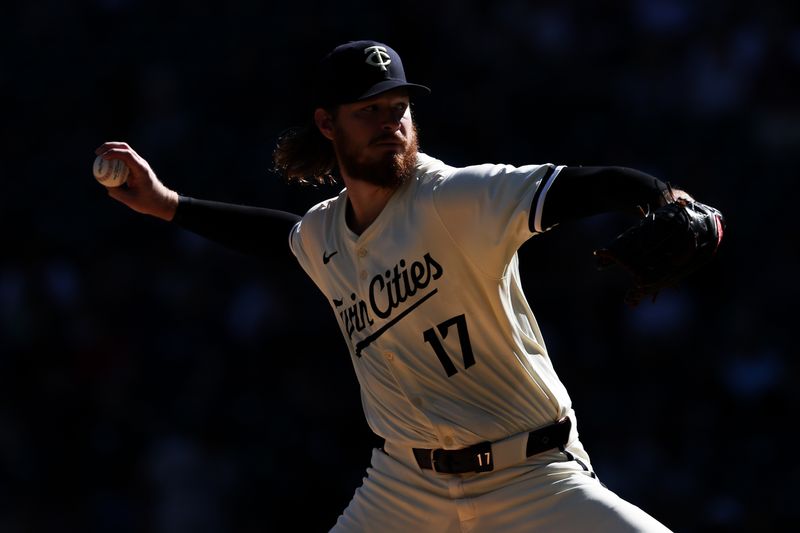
x=421, y=403
x=415, y=398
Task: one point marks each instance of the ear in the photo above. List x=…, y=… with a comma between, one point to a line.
x=324, y=122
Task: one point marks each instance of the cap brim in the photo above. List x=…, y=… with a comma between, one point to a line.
x=387, y=85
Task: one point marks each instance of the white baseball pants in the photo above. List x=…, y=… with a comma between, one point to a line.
x=551, y=492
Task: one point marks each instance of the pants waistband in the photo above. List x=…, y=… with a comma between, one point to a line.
x=488, y=456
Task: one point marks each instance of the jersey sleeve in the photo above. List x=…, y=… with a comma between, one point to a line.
x=307, y=237
x=490, y=210
x=296, y=245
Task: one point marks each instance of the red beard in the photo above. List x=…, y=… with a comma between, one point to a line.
x=390, y=171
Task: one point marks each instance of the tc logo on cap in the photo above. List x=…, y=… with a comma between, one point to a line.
x=378, y=57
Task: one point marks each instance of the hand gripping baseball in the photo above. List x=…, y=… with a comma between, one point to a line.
x=665, y=246
x=143, y=191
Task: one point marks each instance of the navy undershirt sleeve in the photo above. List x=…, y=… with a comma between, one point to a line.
x=579, y=192
x=255, y=231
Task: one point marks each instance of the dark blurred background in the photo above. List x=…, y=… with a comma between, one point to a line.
x=152, y=381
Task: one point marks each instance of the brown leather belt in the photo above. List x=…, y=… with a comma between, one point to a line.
x=480, y=458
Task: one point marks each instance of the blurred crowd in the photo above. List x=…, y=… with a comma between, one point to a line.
x=153, y=381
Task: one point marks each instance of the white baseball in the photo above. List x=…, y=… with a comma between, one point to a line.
x=110, y=172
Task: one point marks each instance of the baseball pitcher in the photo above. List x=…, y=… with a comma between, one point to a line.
x=418, y=262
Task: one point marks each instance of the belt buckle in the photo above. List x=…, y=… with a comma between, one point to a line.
x=437, y=460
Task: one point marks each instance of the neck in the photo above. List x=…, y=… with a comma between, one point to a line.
x=365, y=202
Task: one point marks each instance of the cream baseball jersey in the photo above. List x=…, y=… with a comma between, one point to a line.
x=430, y=303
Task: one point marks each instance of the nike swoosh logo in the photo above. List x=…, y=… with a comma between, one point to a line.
x=326, y=258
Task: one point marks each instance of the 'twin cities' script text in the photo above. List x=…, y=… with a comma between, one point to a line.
x=388, y=291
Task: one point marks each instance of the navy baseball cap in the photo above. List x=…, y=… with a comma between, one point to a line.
x=358, y=70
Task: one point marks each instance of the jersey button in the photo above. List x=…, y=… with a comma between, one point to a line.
x=363, y=274
x=448, y=441
x=389, y=356
x=362, y=252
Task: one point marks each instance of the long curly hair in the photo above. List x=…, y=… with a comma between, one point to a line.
x=303, y=155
